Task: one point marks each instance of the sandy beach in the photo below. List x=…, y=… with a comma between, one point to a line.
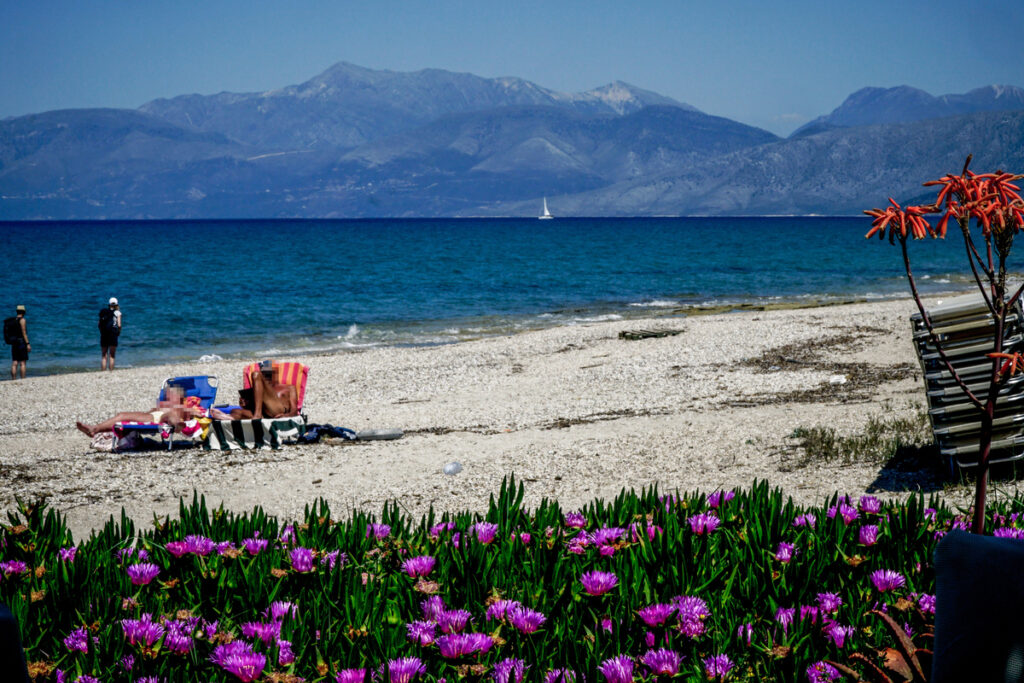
x=575, y=412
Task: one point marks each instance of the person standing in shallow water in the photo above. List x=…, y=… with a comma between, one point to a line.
x=110, y=330
x=20, y=346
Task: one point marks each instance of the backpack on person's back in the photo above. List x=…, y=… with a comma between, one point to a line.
x=108, y=323
x=12, y=330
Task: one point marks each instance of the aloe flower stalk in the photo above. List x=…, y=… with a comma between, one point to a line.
x=526, y=620
x=887, y=580
x=598, y=583
x=662, y=662
x=822, y=672
x=509, y=670
x=77, y=640
x=617, y=669
x=350, y=676
x=142, y=573
x=717, y=666
x=419, y=566
x=405, y=669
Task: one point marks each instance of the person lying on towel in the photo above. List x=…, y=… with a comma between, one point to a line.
x=172, y=411
x=267, y=398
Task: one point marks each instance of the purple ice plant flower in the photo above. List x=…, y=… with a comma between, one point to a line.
x=525, y=538
x=499, y=609
x=142, y=631
x=636, y=533
x=453, y=620
x=350, y=676
x=433, y=607
x=128, y=662
x=405, y=669
x=784, y=616
x=808, y=520
x=268, y=632
x=607, y=535
x=379, y=532
x=199, y=545
x=438, y=529
x=332, y=558
x=485, y=531
x=829, y=602
x=822, y=672
x=1008, y=532
x=809, y=612
x=77, y=640
x=692, y=613
x=617, y=669
x=178, y=638
x=887, y=580
x=67, y=554
x=246, y=666
x=704, y=523
x=279, y=609
x=509, y=670
x=453, y=645
x=254, y=546
x=13, y=567
x=784, y=552
x=176, y=548
x=927, y=603
x=422, y=632
x=868, y=535
x=847, y=512
x=287, y=534
x=142, y=573
x=124, y=553
x=719, y=497
x=717, y=666
x=745, y=632
x=421, y=565
x=86, y=678
x=598, y=583
x=301, y=559
x=285, y=654
x=870, y=505
x=657, y=614
x=575, y=520
x=662, y=662
x=210, y=628
x=526, y=620
x=838, y=633
x=224, y=546
x=560, y=676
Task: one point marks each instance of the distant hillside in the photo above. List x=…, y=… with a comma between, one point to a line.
x=354, y=142
x=904, y=104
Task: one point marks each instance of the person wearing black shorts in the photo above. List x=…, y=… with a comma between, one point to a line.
x=20, y=346
x=110, y=330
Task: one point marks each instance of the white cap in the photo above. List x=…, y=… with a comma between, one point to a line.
x=113, y=301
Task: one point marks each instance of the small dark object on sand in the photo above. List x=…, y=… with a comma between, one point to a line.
x=647, y=334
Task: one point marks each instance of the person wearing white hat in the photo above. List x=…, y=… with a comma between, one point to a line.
x=110, y=330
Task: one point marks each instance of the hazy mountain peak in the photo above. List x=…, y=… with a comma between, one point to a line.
x=624, y=98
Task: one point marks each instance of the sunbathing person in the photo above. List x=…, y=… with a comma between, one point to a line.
x=171, y=411
x=268, y=399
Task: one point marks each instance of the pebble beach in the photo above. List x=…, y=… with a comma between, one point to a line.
x=574, y=412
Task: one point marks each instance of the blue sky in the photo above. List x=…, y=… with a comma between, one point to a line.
x=774, y=63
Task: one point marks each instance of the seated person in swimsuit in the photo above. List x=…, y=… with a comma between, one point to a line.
x=270, y=399
x=170, y=411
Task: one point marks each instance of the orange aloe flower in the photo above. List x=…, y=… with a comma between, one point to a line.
x=899, y=220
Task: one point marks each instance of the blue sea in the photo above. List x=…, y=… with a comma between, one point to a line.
x=192, y=290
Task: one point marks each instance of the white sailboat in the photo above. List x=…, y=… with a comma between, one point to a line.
x=546, y=216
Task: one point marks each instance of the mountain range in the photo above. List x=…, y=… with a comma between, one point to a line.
x=355, y=142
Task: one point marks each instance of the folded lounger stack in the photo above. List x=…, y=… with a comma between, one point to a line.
x=966, y=330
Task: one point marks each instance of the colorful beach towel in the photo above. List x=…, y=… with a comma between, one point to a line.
x=229, y=435
x=288, y=372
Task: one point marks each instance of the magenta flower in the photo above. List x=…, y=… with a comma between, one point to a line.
x=285, y=654
x=302, y=560
x=405, y=669
x=254, y=546
x=575, y=520
x=784, y=616
x=636, y=533
x=330, y=559
x=176, y=548
x=142, y=631
x=868, y=535
x=745, y=632
x=717, y=666
x=692, y=613
x=809, y=612
x=142, y=573
x=13, y=567
x=822, y=672
x=287, y=534
x=67, y=554
x=870, y=505
x=887, y=580
x=704, y=523
x=808, y=520
x=598, y=583
x=829, y=602
x=656, y=615
x=245, y=666
x=178, y=638
x=606, y=535
x=526, y=620
x=499, y=609
x=77, y=640
x=438, y=529
x=224, y=546
x=268, y=632
x=662, y=662
x=838, y=633
x=422, y=632
x=379, y=532
x=433, y=607
x=460, y=644
x=453, y=620
x=926, y=603
x=279, y=609
x=86, y=678
x=844, y=510
x=509, y=670
x=560, y=676
x=719, y=497
x=485, y=531
x=617, y=669
x=785, y=552
x=1008, y=532
x=199, y=545
x=419, y=566
x=350, y=676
